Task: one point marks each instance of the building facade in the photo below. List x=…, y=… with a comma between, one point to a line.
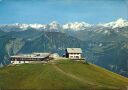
x=73, y=53
x=29, y=58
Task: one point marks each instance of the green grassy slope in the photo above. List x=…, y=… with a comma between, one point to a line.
x=61, y=75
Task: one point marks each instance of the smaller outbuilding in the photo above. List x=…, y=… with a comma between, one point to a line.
x=55, y=56
x=73, y=53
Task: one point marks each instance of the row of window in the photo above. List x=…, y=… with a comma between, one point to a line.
x=21, y=62
x=77, y=57
x=74, y=53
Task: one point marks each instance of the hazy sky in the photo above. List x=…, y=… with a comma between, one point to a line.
x=63, y=11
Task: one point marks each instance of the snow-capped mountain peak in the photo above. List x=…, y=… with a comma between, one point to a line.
x=54, y=25
x=116, y=24
x=25, y=26
x=76, y=26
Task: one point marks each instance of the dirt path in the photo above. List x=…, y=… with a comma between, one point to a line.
x=84, y=82
x=75, y=77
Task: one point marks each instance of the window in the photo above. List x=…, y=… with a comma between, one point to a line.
x=77, y=57
x=71, y=56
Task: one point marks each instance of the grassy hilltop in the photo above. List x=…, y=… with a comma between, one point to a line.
x=61, y=75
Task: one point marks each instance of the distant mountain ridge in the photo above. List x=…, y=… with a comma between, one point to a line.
x=74, y=26
x=116, y=24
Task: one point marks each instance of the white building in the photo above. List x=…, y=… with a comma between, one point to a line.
x=74, y=53
x=29, y=58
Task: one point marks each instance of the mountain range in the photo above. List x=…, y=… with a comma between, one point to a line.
x=103, y=44
x=76, y=26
